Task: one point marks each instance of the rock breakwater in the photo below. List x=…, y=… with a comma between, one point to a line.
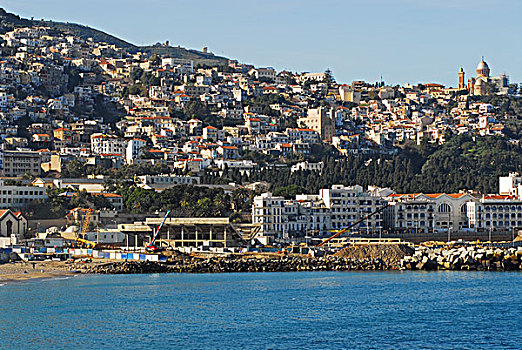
x=464, y=258
x=390, y=254
x=240, y=264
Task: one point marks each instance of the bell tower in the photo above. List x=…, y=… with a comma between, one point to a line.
x=462, y=82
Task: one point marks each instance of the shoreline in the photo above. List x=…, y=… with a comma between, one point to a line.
x=352, y=258
x=20, y=271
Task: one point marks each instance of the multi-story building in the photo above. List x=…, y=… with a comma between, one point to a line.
x=268, y=212
x=280, y=218
x=322, y=120
x=351, y=203
x=18, y=163
x=107, y=144
x=495, y=212
x=510, y=185
x=134, y=149
x=428, y=212
x=316, y=215
x=167, y=179
x=18, y=196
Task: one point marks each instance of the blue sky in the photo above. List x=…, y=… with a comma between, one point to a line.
x=404, y=40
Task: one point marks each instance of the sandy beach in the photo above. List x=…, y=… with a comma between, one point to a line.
x=22, y=271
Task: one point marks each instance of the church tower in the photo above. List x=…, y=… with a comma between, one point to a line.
x=462, y=82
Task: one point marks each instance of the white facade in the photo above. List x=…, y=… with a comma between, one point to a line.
x=133, y=150
x=13, y=226
x=106, y=237
x=280, y=218
x=428, y=212
x=166, y=179
x=317, y=215
x=510, y=185
x=107, y=144
x=19, y=196
x=495, y=212
x=268, y=211
x=303, y=166
x=351, y=203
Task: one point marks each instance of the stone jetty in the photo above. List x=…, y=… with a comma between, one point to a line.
x=348, y=259
x=464, y=258
x=233, y=263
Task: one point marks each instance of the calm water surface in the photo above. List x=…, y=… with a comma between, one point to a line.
x=306, y=310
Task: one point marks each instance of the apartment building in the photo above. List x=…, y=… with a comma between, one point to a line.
x=351, y=203
x=317, y=215
x=18, y=196
x=495, y=212
x=107, y=144
x=167, y=179
x=18, y=163
x=321, y=120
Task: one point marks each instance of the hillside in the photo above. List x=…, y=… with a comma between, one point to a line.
x=178, y=52
x=9, y=21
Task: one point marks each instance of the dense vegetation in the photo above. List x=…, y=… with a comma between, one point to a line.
x=187, y=200
x=57, y=204
x=461, y=163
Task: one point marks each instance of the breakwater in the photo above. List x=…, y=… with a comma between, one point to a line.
x=464, y=258
x=240, y=264
x=364, y=257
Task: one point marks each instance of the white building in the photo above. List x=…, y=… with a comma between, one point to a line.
x=351, y=203
x=280, y=218
x=19, y=196
x=134, y=150
x=317, y=215
x=495, y=212
x=258, y=73
x=166, y=180
x=307, y=166
x=107, y=144
x=510, y=185
x=108, y=236
x=421, y=212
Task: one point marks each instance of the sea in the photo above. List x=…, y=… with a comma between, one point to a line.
x=289, y=310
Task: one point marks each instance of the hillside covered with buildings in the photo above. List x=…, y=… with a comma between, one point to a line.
x=90, y=121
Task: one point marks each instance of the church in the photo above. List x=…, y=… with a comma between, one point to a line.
x=477, y=85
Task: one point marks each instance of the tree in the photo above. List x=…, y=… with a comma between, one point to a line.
x=490, y=88
x=328, y=77
x=290, y=191
x=195, y=109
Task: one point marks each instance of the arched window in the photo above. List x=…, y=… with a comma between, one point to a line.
x=444, y=208
x=464, y=208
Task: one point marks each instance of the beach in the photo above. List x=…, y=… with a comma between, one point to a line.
x=23, y=271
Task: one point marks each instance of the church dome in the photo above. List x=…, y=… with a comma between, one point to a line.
x=483, y=69
x=482, y=65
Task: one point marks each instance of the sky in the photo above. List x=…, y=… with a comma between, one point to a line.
x=404, y=41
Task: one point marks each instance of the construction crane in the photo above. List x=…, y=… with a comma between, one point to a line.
x=85, y=227
x=326, y=240
x=151, y=246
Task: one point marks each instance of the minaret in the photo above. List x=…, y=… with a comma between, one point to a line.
x=461, y=79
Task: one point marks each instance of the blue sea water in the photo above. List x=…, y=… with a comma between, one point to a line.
x=304, y=310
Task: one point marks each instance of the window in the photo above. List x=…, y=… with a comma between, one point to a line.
x=444, y=208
